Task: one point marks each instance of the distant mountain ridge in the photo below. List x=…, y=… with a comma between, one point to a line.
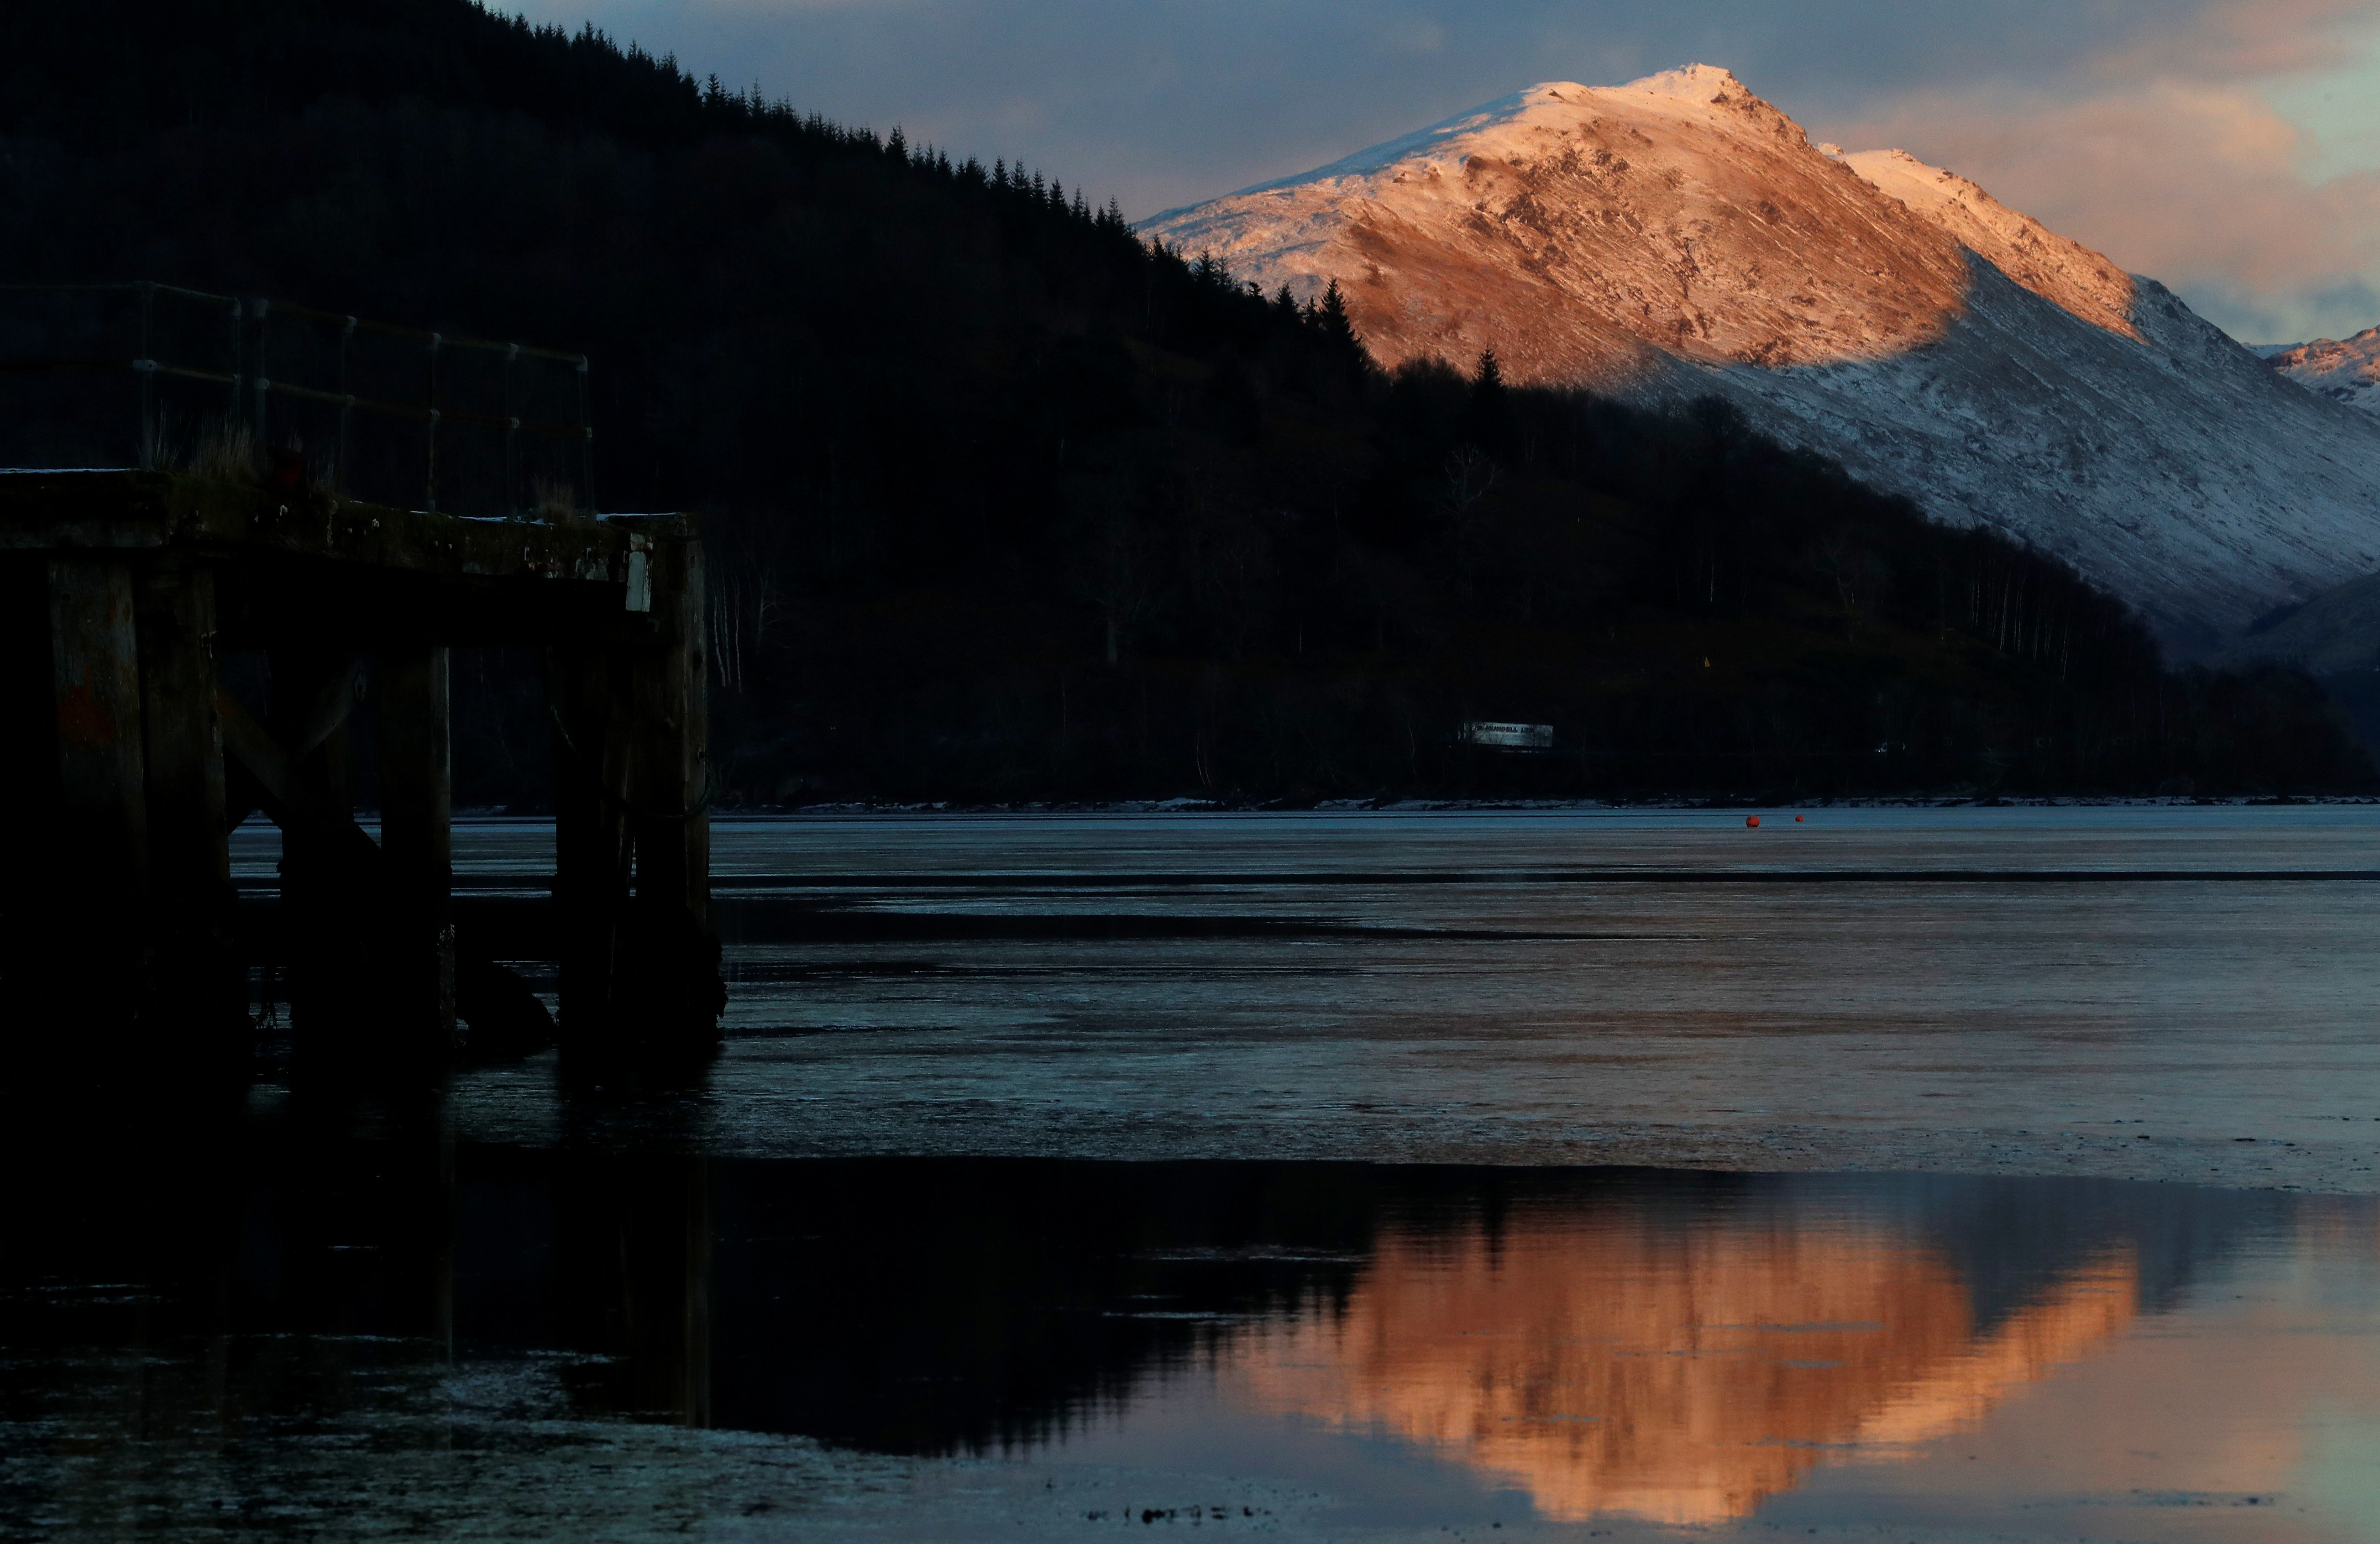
x=1679, y=236
x=2345, y=371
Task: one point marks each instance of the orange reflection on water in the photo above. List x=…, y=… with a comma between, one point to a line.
x=1611, y=1364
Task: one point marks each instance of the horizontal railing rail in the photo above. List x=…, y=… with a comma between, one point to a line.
x=250, y=389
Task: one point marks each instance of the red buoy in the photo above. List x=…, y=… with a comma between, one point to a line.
x=1752, y=819
x=1797, y=819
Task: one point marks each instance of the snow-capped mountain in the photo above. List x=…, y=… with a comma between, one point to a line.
x=2348, y=371
x=1679, y=236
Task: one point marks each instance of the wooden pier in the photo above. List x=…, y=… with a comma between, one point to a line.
x=123, y=594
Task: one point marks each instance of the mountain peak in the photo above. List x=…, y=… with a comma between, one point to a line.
x=1678, y=235
x=1694, y=83
x=1677, y=214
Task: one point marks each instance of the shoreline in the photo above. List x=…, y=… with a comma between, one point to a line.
x=1717, y=803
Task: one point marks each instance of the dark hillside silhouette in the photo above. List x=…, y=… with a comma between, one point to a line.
x=1006, y=506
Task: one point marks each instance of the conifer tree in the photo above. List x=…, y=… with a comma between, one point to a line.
x=1488, y=418
x=1340, y=329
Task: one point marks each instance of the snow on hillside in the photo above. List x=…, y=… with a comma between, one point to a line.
x=2348, y=371
x=1678, y=236
x=2017, y=245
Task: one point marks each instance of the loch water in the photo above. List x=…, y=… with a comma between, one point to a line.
x=1057, y=1178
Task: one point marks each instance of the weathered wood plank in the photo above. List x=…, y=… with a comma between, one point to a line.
x=132, y=511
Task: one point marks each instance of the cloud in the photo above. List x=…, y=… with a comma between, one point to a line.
x=2146, y=127
x=2196, y=184
x=2233, y=42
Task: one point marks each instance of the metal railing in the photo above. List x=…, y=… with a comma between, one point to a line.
x=281, y=369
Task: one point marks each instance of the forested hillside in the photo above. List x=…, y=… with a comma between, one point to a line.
x=1006, y=506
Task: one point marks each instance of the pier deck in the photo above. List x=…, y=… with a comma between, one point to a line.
x=124, y=595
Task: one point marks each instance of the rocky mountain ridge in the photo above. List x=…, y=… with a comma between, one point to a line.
x=1679, y=236
x=2346, y=371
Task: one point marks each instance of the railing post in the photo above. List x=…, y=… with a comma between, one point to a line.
x=147, y=365
x=259, y=309
x=151, y=452
x=239, y=357
x=586, y=443
x=347, y=403
x=512, y=434
x=430, y=470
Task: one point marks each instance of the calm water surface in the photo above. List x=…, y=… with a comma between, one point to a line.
x=1331, y=985
x=738, y=1313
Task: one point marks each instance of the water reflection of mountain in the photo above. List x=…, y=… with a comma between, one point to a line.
x=1604, y=1362
x=1673, y=1344
x=1014, y=1298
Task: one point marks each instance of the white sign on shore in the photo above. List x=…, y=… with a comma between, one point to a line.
x=1509, y=737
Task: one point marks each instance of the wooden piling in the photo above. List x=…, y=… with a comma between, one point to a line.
x=592, y=857
x=198, y=981
x=416, y=839
x=95, y=667
x=95, y=952
x=670, y=771
x=334, y=1003
x=640, y=980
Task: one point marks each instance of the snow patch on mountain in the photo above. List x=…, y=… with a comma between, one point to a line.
x=1679, y=236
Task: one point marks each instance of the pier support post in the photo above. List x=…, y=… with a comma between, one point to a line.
x=332, y=1007
x=200, y=991
x=95, y=664
x=591, y=853
x=102, y=810
x=640, y=980
x=670, y=771
x=417, y=834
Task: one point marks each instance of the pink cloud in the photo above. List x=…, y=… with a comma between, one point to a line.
x=2236, y=39
x=2196, y=183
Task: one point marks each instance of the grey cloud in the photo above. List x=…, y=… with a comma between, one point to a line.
x=2334, y=310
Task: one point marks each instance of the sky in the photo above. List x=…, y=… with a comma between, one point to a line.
x=2229, y=148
